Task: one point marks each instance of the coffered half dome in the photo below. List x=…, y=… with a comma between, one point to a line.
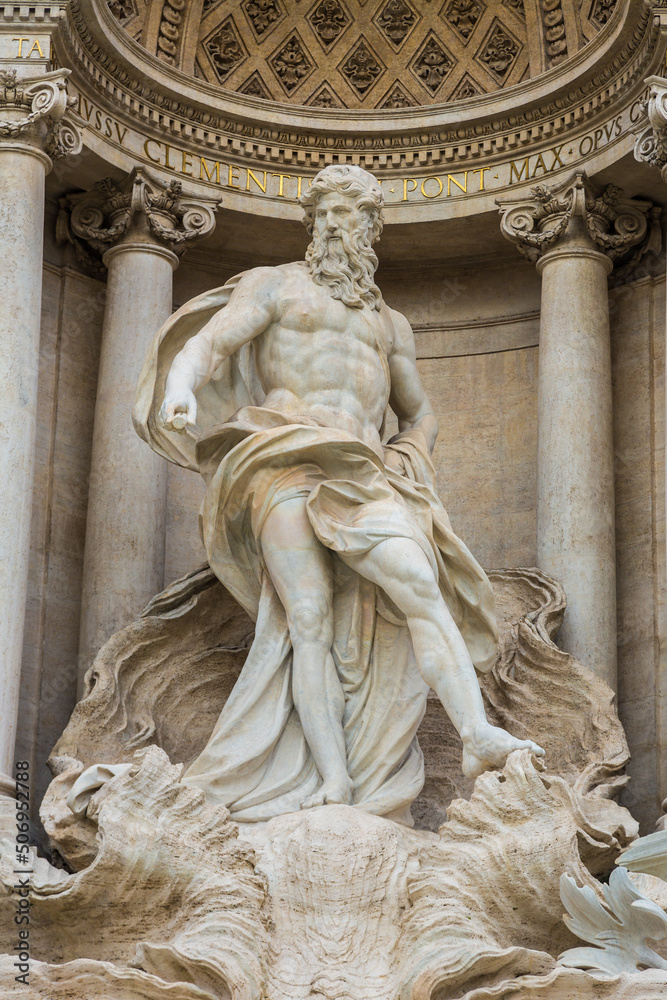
x=384, y=54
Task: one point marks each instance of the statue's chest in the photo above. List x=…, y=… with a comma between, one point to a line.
x=331, y=323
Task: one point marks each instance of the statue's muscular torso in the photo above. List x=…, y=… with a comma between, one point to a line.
x=324, y=360
x=315, y=356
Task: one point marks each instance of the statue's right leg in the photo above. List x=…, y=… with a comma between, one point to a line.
x=301, y=570
x=402, y=570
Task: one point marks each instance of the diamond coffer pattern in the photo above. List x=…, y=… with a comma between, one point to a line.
x=434, y=50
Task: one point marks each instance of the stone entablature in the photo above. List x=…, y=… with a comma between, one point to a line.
x=258, y=154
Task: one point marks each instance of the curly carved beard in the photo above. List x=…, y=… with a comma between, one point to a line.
x=347, y=266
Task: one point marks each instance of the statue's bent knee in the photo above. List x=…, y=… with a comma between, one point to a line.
x=310, y=620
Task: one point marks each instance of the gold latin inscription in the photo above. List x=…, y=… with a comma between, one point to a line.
x=35, y=47
x=102, y=123
x=252, y=176
x=254, y=181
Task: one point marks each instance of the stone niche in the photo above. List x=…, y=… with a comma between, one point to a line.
x=147, y=892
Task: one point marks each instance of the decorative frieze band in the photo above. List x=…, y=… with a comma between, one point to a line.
x=149, y=100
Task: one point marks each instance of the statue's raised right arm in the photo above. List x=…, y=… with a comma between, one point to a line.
x=249, y=312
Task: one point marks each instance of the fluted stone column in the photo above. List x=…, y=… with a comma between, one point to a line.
x=574, y=234
x=140, y=228
x=33, y=129
x=651, y=148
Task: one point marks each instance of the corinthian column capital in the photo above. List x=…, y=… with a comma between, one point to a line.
x=34, y=112
x=138, y=211
x=651, y=144
x=577, y=215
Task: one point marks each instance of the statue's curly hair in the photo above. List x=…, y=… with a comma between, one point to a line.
x=346, y=179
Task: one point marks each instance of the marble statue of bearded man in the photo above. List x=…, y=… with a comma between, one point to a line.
x=275, y=388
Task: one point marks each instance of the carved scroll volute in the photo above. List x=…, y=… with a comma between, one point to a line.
x=36, y=110
x=533, y=224
x=608, y=222
x=651, y=144
x=616, y=224
x=141, y=208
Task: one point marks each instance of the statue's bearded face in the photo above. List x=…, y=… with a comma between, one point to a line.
x=341, y=255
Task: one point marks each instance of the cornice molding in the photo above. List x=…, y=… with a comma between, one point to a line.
x=589, y=107
x=142, y=88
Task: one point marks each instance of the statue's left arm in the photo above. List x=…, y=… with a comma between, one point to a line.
x=407, y=398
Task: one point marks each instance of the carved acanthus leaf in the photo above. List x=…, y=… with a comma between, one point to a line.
x=601, y=11
x=647, y=855
x=398, y=97
x=263, y=14
x=362, y=68
x=329, y=19
x=499, y=52
x=291, y=64
x=618, y=932
x=325, y=97
x=396, y=20
x=463, y=15
x=225, y=49
x=432, y=64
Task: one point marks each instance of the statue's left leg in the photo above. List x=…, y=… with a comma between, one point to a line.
x=301, y=570
x=402, y=570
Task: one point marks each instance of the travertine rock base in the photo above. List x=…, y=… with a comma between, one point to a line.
x=171, y=899
x=330, y=902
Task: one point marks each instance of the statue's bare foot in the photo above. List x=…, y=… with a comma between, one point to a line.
x=485, y=747
x=337, y=791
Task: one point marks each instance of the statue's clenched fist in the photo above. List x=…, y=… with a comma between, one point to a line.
x=179, y=410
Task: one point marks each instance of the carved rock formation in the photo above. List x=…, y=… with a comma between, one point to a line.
x=169, y=898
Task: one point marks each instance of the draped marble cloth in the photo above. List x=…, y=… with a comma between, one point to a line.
x=257, y=761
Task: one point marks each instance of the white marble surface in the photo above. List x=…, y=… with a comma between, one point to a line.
x=311, y=486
